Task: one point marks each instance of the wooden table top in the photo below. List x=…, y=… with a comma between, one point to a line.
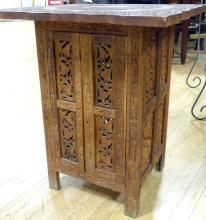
x=120, y=14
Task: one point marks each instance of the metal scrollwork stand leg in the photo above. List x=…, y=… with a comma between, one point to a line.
x=197, y=80
x=195, y=103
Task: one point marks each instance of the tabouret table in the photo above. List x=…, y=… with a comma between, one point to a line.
x=105, y=78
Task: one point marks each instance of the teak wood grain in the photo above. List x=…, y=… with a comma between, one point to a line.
x=122, y=14
x=138, y=106
x=105, y=91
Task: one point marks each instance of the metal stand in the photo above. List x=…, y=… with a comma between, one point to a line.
x=197, y=81
x=195, y=103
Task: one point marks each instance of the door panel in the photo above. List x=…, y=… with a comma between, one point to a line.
x=103, y=72
x=66, y=84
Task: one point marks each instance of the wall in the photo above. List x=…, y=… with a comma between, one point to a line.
x=18, y=3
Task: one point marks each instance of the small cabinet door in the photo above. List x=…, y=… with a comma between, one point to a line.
x=103, y=73
x=66, y=95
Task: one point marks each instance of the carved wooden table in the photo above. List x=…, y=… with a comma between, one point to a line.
x=105, y=77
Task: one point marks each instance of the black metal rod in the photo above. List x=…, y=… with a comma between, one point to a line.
x=196, y=78
x=195, y=103
x=197, y=81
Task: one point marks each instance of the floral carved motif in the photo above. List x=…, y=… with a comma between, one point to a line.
x=147, y=142
x=103, y=74
x=64, y=69
x=150, y=63
x=164, y=50
x=104, y=143
x=67, y=126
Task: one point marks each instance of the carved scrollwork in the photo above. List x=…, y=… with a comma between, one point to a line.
x=104, y=143
x=65, y=75
x=67, y=126
x=164, y=52
x=148, y=130
x=149, y=63
x=103, y=74
x=159, y=133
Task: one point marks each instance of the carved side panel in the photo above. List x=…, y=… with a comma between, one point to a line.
x=164, y=55
x=163, y=62
x=148, y=133
x=104, y=143
x=67, y=99
x=103, y=72
x=149, y=95
x=108, y=93
x=103, y=47
x=150, y=56
x=160, y=126
x=64, y=69
x=67, y=126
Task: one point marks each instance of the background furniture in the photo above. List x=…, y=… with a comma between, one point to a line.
x=129, y=1
x=105, y=81
x=184, y=28
x=185, y=33
x=196, y=80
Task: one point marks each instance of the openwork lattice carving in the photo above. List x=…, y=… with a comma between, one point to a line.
x=147, y=142
x=64, y=69
x=149, y=63
x=103, y=74
x=67, y=126
x=104, y=143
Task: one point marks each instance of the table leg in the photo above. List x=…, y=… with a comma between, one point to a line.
x=184, y=40
x=134, y=123
x=54, y=180
x=165, y=50
x=160, y=164
x=53, y=175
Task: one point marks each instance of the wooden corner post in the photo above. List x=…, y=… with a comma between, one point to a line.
x=134, y=122
x=46, y=93
x=165, y=44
